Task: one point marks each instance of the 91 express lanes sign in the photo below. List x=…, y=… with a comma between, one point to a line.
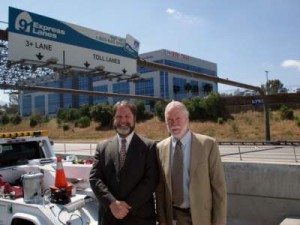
x=37, y=39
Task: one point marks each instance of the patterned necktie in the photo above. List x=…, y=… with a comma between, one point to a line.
x=177, y=175
x=122, y=152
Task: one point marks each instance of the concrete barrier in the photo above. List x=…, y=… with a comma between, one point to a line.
x=262, y=193
x=290, y=221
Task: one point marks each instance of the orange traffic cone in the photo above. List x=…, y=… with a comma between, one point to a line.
x=60, y=177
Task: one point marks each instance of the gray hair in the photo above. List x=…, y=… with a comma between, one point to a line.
x=176, y=104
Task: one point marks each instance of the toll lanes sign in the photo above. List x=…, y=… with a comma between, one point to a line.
x=38, y=39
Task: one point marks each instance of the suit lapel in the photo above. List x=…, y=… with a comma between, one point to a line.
x=195, y=158
x=166, y=159
x=114, y=149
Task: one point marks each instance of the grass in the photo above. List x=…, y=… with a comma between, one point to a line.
x=244, y=126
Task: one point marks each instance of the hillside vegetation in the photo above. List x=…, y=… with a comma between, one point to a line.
x=243, y=126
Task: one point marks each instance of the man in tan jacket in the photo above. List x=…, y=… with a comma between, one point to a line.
x=192, y=188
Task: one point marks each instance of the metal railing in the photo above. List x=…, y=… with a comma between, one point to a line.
x=280, y=151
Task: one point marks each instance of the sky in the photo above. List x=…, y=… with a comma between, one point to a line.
x=244, y=38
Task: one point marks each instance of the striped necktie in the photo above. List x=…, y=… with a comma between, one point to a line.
x=122, y=152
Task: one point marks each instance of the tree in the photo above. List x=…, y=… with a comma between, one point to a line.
x=272, y=87
x=207, y=88
x=102, y=113
x=176, y=89
x=188, y=88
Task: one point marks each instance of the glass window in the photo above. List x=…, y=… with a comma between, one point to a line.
x=53, y=103
x=39, y=102
x=67, y=98
x=27, y=105
x=100, y=99
x=121, y=88
x=83, y=84
x=178, y=88
x=164, y=84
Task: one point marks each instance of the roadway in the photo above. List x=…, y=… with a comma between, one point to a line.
x=261, y=153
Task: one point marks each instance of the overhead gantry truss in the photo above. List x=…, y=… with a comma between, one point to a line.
x=13, y=74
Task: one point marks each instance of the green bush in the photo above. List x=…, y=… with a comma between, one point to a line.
x=214, y=106
x=35, y=119
x=33, y=122
x=16, y=119
x=4, y=119
x=102, y=113
x=297, y=120
x=84, y=121
x=66, y=127
x=159, y=110
x=220, y=120
x=286, y=113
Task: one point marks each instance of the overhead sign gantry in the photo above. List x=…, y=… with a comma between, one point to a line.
x=39, y=40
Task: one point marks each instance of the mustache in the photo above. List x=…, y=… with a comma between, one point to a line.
x=175, y=127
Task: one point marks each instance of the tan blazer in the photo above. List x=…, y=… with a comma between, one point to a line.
x=207, y=188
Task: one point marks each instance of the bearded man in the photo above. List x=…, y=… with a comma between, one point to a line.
x=124, y=175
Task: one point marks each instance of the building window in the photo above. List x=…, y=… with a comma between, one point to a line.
x=53, y=103
x=27, y=105
x=39, y=104
x=100, y=99
x=194, y=88
x=83, y=84
x=190, y=67
x=144, y=87
x=179, y=88
x=67, y=98
x=164, y=84
x=120, y=88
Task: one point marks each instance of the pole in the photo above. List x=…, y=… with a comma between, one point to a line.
x=267, y=81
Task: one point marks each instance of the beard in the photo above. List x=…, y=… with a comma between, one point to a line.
x=178, y=131
x=124, y=130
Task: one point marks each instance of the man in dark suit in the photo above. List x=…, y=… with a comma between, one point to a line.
x=124, y=175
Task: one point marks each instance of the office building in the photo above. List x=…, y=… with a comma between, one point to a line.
x=154, y=83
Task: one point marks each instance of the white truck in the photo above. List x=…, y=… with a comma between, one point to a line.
x=28, y=195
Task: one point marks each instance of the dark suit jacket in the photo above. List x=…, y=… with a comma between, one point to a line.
x=135, y=183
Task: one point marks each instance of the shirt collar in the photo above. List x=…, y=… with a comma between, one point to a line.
x=184, y=140
x=128, y=138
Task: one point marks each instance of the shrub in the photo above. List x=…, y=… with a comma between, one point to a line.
x=286, y=113
x=84, y=121
x=35, y=119
x=16, y=119
x=33, y=122
x=102, y=113
x=159, y=110
x=220, y=120
x=66, y=127
x=5, y=119
x=297, y=120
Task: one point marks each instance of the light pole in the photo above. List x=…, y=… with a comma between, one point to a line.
x=267, y=85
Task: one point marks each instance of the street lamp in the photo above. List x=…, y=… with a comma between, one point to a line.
x=267, y=85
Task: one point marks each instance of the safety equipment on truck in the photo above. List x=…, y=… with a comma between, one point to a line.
x=32, y=187
x=62, y=190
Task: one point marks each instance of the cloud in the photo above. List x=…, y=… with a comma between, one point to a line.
x=177, y=15
x=291, y=63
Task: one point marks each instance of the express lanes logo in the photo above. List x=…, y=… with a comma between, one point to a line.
x=25, y=23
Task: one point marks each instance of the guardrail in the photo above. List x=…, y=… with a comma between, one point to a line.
x=279, y=151
x=285, y=142
x=266, y=153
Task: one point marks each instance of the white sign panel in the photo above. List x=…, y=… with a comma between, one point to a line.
x=38, y=39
